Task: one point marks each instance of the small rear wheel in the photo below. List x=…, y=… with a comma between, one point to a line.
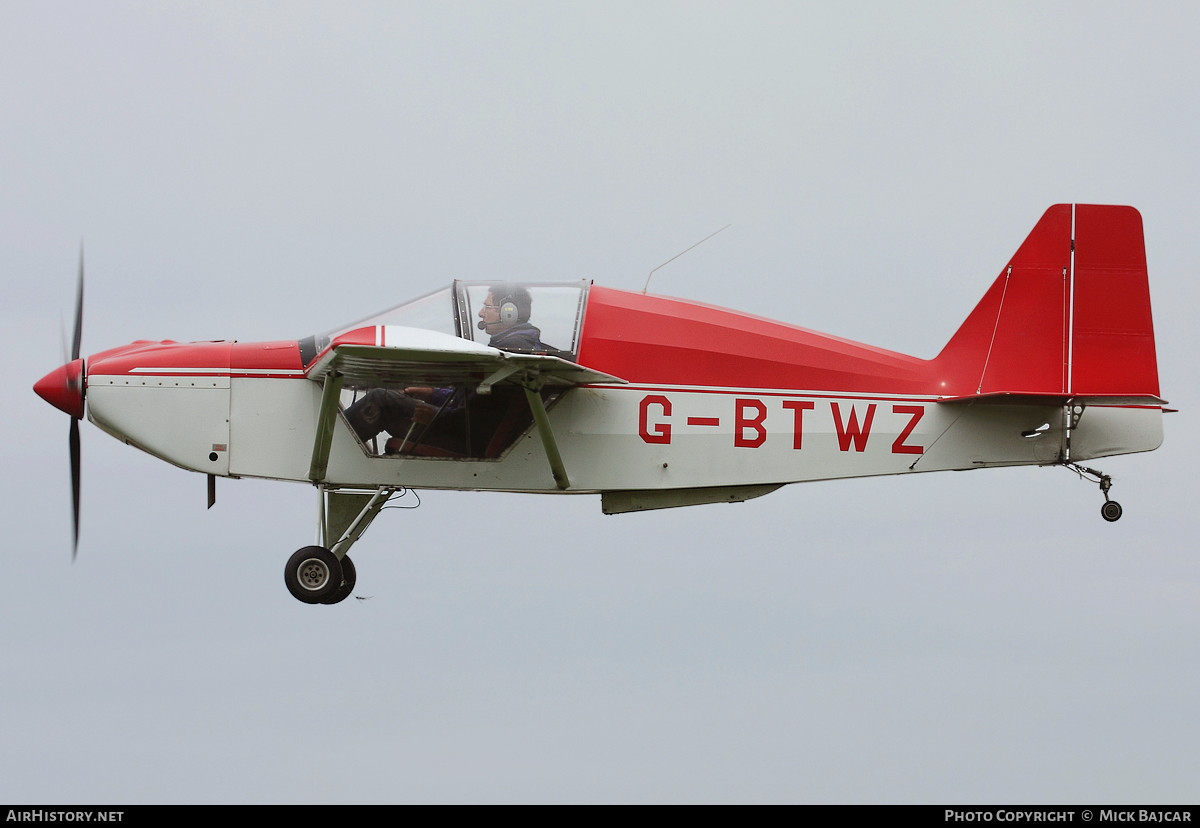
x=349, y=576
x=1111, y=511
x=313, y=574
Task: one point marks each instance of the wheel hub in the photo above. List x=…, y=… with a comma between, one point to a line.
x=313, y=574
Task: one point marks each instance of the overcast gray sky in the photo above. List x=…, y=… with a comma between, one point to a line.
x=267, y=170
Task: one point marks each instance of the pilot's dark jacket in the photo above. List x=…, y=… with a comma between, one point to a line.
x=521, y=338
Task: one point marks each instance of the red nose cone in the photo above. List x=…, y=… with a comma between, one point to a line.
x=63, y=388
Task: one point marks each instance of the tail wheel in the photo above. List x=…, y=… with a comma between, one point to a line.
x=313, y=575
x=349, y=576
x=1111, y=511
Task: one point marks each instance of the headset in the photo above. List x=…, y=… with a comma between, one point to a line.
x=508, y=311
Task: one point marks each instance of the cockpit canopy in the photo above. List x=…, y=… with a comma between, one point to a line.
x=554, y=308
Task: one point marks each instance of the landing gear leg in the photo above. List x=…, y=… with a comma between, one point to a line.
x=1111, y=510
x=323, y=573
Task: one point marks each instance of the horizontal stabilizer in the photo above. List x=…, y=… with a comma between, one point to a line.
x=1005, y=398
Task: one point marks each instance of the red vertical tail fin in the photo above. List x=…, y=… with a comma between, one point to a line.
x=1068, y=316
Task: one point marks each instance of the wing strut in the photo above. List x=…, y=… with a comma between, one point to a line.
x=325, y=422
x=502, y=372
x=532, y=393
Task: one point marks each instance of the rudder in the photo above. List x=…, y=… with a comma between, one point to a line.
x=1113, y=331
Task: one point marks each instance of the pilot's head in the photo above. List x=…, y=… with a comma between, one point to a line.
x=506, y=305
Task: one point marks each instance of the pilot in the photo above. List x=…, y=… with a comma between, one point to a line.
x=504, y=316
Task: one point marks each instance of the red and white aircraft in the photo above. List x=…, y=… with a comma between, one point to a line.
x=648, y=401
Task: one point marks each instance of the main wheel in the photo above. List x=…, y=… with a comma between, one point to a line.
x=349, y=576
x=1111, y=511
x=313, y=574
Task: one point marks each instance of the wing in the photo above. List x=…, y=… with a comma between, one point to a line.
x=399, y=356
x=394, y=355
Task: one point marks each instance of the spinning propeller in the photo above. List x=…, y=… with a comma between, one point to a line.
x=64, y=388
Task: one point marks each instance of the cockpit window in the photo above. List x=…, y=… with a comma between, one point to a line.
x=549, y=315
x=451, y=423
x=432, y=312
x=547, y=312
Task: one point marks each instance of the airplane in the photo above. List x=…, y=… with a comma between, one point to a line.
x=649, y=401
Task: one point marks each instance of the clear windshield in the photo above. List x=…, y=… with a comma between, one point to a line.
x=432, y=312
x=529, y=317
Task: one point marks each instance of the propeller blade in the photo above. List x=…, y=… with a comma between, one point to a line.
x=75, y=460
x=78, y=311
x=75, y=469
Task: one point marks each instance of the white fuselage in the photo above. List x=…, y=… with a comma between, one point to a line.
x=613, y=437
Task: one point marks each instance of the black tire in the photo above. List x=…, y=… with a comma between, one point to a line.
x=313, y=574
x=1111, y=511
x=349, y=576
